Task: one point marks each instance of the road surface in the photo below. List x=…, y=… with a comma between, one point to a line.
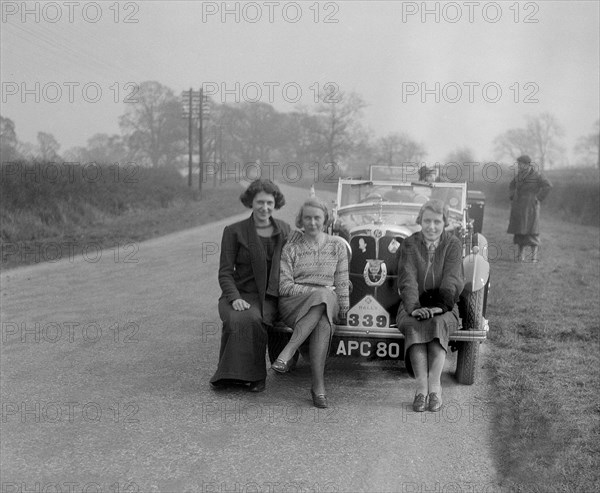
x=105, y=368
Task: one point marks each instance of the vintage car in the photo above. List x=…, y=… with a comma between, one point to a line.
x=374, y=218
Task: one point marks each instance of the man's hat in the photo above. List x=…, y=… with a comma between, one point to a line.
x=524, y=159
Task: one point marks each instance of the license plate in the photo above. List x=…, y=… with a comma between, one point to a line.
x=367, y=348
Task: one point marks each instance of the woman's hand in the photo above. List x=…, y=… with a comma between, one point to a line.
x=240, y=305
x=425, y=313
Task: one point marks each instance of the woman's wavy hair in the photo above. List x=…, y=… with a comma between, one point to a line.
x=262, y=185
x=435, y=206
x=313, y=202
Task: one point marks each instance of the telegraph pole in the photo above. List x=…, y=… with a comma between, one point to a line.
x=200, y=143
x=220, y=152
x=190, y=143
x=214, y=156
x=189, y=102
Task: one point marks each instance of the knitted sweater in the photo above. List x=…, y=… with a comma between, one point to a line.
x=305, y=267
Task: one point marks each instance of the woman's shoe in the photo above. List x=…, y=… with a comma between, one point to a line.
x=319, y=400
x=258, y=386
x=435, y=402
x=220, y=384
x=420, y=403
x=280, y=366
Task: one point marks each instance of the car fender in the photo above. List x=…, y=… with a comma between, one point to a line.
x=482, y=245
x=476, y=271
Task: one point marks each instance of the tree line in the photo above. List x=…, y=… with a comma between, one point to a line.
x=154, y=133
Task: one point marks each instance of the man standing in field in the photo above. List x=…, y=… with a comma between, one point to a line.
x=527, y=190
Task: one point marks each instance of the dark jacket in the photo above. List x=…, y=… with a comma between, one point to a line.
x=527, y=190
x=243, y=263
x=445, y=278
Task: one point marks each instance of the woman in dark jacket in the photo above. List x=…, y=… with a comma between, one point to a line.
x=527, y=190
x=249, y=279
x=430, y=280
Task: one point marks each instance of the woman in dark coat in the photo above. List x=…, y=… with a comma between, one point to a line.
x=527, y=190
x=249, y=279
x=430, y=280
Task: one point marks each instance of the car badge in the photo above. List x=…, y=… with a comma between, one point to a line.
x=375, y=272
x=393, y=246
x=362, y=245
x=378, y=233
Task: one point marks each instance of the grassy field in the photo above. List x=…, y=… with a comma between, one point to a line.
x=545, y=362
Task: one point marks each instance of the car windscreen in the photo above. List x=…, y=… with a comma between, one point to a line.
x=410, y=193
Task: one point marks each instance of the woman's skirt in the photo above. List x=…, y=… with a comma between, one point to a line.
x=526, y=240
x=424, y=331
x=293, y=308
x=243, y=342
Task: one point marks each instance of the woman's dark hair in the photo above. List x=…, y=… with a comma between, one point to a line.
x=435, y=206
x=313, y=202
x=266, y=186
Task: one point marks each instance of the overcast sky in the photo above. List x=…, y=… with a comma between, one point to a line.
x=508, y=59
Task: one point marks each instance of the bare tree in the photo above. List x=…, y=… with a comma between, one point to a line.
x=260, y=128
x=76, y=154
x=539, y=139
x=588, y=146
x=339, y=116
x=545, y=132
x=230, y=119
x=513, y=143
x=26, y=150
x=397, y=148
x=300, y=137
x=104, y=148
x=152, y=126
x=8, y=140
x=48, y=146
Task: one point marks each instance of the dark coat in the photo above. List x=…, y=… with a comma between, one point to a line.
x=527, y=190
x=445, y=278
x=243, y=263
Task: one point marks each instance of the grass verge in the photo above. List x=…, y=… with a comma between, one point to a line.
x=120, y=233
x=544, y=361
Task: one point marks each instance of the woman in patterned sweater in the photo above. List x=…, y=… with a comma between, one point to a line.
x=313, y=291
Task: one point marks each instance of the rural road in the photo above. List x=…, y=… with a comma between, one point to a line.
x=105, y=365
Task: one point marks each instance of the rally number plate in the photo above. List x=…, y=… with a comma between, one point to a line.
x=368, y=313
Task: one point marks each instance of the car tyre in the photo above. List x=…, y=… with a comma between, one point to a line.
x=468, y=352
x=466, y=362
x=473, y=310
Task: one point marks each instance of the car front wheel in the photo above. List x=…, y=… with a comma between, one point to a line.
x=472, y=310
x=466, y=362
